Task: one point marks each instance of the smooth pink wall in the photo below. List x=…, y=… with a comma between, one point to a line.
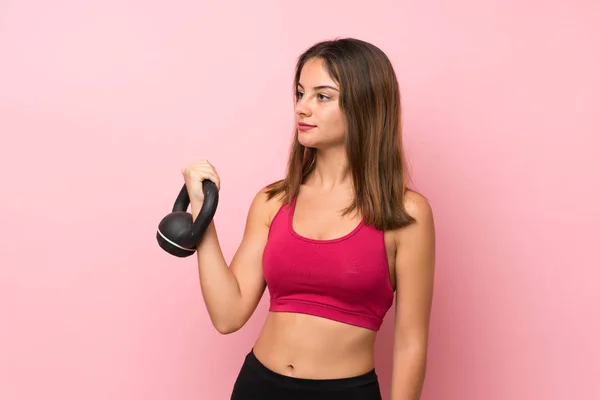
x=102, y=103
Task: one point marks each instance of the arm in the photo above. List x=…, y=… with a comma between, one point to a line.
x=415, y=260
x=232, y=293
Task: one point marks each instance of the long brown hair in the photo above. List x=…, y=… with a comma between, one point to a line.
x=370, y=102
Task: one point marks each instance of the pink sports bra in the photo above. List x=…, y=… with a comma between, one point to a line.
x=344, y=279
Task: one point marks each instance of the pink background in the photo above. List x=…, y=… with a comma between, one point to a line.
x=102, y=103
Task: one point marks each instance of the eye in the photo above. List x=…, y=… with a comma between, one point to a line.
x=323, y=97
x=299, y=94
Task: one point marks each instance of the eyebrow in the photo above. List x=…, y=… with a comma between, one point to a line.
x=321, y=87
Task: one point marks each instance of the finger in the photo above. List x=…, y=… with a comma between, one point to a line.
x=213, y=177
x=207, y=173
x=204, y=173
x=203, y=167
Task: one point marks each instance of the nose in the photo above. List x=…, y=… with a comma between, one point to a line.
x=303, y=108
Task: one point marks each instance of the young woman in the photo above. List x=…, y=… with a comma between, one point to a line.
x=334, y=242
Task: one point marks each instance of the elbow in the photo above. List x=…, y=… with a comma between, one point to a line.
x=227, y=328
x=414, y=349
x=228, y=322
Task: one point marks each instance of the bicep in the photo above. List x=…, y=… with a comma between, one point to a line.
x=415, y=264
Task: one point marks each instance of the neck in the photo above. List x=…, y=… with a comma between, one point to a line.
x=331, y=170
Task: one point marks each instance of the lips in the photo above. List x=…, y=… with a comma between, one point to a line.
x=305, y=127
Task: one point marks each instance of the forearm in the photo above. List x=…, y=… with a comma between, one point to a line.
x=408, y=372
x=219, y=286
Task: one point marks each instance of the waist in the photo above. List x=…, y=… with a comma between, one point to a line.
x=305, y=346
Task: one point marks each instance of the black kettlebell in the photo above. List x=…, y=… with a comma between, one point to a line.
x=176, y=233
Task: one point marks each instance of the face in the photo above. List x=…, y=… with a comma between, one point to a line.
x=320, y=121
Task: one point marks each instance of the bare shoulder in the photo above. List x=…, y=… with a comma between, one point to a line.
x=419, y=207
x=264, y=209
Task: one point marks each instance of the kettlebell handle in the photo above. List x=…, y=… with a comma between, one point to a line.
x=182, y=201
x=207, y=212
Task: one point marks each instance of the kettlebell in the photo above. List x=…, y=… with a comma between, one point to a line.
x=177, y=233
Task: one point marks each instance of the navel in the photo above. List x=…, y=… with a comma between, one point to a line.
x=290, y=369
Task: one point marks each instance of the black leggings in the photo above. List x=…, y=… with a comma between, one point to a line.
x=257, y=382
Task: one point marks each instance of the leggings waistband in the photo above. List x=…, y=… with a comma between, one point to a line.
x=252, y=362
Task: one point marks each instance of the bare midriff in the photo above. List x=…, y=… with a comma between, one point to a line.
x=309, y=347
